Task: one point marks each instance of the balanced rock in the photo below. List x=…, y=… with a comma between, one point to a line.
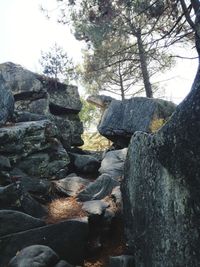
x=122, y=118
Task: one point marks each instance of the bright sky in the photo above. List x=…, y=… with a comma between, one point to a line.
x=25, y=32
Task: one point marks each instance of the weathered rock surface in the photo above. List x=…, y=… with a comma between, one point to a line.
x=122, y=118
x=36, y=255
x=12, y=221
x=22, y=139
x=14, y=197
x=38, y=94
x=34, y=148
x=113, y=163
x=6, y=102
x=99, y=189
x=24, y=116
x=30, y=184
x=68, y=239
x=85, y=164
x=161, y=190
x=70, y=185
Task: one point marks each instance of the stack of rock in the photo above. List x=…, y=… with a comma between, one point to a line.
x=34, y=138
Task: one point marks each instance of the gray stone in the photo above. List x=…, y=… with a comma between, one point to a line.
x=9, y=197
x=36, y=255
x=113, y=163
x=70, y=185
x=4, y=163
x=14, y=197
x=122, y=261
x=122, y=118
x=95, y=207
x=6, y=103
x=5, y=178
x=19, y=79
x=84, y=163
x=98, y=189
x=70, y=129
x=68, y=239
x=34, y=148
x=30, y=184
x=161, y=190
x=22, y=116
x=37, y=94
x=25, y=138
x=14, y=221
x=101, y=101
x=41, y=165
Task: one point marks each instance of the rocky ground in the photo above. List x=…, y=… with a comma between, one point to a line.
x=59, y=205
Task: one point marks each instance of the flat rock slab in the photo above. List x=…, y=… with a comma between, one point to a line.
x=68, y=239
x=12, y=221
x=122, y=118
x=98, y=189
x=71, y=185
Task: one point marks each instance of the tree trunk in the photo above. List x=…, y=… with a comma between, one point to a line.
x=143, y=63
x=121, y=83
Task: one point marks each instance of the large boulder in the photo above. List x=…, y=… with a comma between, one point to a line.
x=161, y=189
x=68, y=239
x=122, y=118
x=6, y=102
x=38, y=94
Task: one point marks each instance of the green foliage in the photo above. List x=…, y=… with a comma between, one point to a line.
x=127, y=40
x=89, y=115
x=56, y=64
x=95, y=141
